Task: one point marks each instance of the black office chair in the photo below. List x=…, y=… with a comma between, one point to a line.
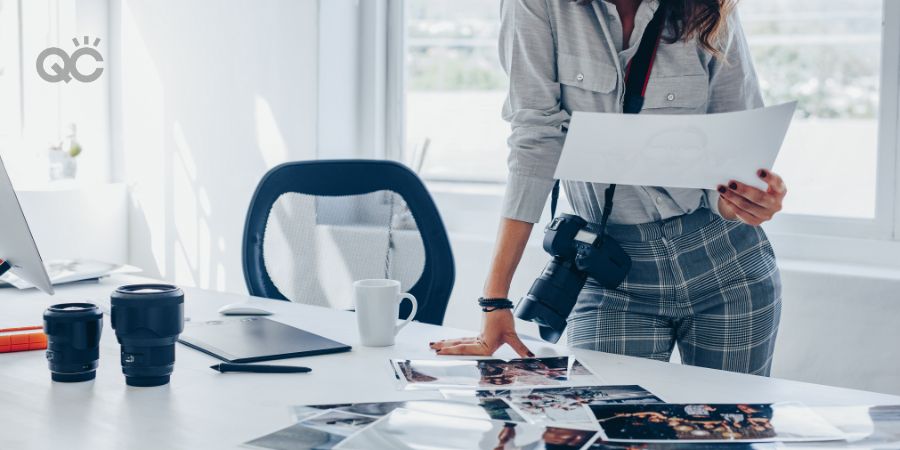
x=314, y=227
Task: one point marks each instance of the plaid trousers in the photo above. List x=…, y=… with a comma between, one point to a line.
x=707, y=284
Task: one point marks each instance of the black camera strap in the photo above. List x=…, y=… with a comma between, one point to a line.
x=637, y=77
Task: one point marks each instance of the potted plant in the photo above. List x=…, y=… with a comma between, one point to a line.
x=62, y=158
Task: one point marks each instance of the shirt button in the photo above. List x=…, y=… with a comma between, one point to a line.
x=670, y=97
x=659, y=200
x=579, y=77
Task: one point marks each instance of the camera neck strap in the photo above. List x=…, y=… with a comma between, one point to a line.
x=637, y=77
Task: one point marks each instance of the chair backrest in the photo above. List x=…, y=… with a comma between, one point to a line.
x=314, y=227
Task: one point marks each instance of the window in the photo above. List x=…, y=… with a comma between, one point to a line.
x=35, y=113
x=454, y=90
x=825, y=54
x=837, y=57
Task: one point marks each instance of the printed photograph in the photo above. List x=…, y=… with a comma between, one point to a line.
x=479, y=408
x=373, y=409
x=405, y=429
x=567, y=404
x=338, y=422
x=296, y=437
x=515, y=373
x=866, y=427
x=321, y=430
x=713, y=422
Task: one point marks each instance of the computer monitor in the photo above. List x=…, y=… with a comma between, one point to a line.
x=17, y=247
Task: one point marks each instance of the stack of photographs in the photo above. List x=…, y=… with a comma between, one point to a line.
x=554, y=403
x=514, y=373
x=557, y=405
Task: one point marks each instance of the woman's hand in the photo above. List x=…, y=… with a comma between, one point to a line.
x=498, y=328
x=749, y=204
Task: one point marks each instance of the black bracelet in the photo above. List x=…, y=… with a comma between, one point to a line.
x=493, y=304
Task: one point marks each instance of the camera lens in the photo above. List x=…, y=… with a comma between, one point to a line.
x=147, y=319
x=73, y=339
x=552, y=297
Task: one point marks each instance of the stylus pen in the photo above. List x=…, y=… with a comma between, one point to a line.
x=258, y=368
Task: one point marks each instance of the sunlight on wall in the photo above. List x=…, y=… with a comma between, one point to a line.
x=194, y=140
x=144, y=138
x=188, y=231
x=268, y=136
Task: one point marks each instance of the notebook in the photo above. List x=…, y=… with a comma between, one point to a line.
x=251, y=339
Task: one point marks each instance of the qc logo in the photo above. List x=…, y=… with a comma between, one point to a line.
x=69, y=68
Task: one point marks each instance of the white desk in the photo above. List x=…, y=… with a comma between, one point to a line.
x=201, y=408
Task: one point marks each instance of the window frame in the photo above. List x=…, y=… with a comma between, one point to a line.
x=885, y=226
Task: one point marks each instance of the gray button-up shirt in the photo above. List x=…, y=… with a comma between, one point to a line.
x=563, y=57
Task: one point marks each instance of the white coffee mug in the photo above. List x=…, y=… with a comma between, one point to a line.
x=377, y=308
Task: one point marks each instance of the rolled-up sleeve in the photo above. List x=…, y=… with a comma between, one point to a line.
x=733, y=84
x=532, y=107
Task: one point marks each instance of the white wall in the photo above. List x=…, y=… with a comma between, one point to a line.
x=206, y=96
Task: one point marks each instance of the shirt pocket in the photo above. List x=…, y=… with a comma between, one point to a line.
x=682, y=94
x=586, y=73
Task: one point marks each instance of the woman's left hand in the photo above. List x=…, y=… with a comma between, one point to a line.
x=737, y=201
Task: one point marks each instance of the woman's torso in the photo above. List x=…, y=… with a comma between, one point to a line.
x=591, y=62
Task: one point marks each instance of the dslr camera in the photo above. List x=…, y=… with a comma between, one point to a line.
x=577, y=254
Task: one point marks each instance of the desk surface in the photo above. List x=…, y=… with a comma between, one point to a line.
x=201, y=408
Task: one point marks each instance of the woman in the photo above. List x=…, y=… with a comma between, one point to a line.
x=703, y=274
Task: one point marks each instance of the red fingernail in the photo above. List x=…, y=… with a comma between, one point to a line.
x=721, y=189
x=733, y=186
x=763, y=173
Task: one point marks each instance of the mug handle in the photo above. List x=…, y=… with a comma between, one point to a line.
x=412, y=314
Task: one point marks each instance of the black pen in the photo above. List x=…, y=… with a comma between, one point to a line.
x=258, y=368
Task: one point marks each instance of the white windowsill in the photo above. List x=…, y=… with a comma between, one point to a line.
x=471, y=212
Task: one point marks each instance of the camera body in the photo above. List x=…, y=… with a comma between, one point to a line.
x=576, y=255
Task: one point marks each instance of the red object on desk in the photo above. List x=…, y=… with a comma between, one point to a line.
x=22, y=339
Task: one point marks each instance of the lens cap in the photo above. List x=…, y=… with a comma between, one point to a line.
x=549, y=334
x=159, y=294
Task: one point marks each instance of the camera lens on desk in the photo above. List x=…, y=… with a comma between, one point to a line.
x=73, y=341
x=147, y=319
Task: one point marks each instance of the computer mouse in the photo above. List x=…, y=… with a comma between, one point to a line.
x=244, y=309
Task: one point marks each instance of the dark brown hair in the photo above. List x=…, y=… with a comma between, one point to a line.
x=703, y=19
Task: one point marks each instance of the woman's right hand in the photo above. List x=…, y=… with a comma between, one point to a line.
x=498, y=328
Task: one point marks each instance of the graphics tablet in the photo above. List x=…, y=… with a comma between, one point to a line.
x=251, y=339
